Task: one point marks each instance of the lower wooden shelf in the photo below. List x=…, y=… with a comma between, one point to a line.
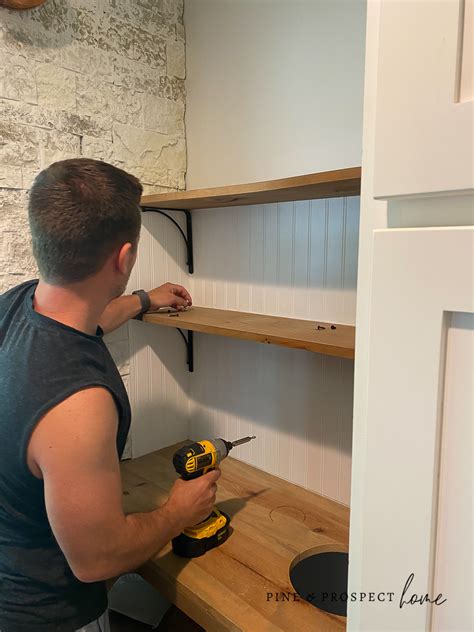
x=273, y=521
x=288, y=332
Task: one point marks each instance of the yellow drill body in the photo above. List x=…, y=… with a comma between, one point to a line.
x=192, y=461
x=202, y=462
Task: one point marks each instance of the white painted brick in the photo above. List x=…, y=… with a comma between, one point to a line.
x=151, y=189
x=133, y=41
x=14, y=203
x=173, y=9
x=19, y=145
x=56, y=87
x=173, y=156
x=99, y=149
x=17, y=79
x=28, y=175
x=175, y=58
x=21, y=36
x=136, y=76
x=180, y=31
x=104, y=101
x=163, y=115
x=141, y=149
x=11, y=177
x=58, y=146
x=88, y=77
x=86, y=60
x=19, y=113
x=70, y=121
x=16, y=261
x=145, y=15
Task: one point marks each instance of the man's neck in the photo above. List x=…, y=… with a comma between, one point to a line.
x=78, y=306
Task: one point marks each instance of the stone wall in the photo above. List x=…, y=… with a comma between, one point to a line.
x=96, y=78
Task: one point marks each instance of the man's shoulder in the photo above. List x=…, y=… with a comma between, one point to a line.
x=78, y=424
x=18, y=291
x=87, y=403
x=11, y=303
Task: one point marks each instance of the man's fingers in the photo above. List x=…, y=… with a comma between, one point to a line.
x=213, y=476
x=180, y=291
x=177, y=301
x=169, y=295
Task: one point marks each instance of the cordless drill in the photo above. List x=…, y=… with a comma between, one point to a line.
x=192, y=461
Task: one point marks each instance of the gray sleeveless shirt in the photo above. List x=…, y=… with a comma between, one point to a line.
x=42, y=362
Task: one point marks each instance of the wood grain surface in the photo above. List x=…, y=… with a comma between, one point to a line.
x=326, y=184
x=277, y=330
x=272, y=523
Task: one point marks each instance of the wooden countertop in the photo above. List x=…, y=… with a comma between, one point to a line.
x=273, y=521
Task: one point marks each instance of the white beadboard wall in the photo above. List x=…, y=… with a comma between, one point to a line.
x=292, y=259
x=159, y=380
x=296, y=259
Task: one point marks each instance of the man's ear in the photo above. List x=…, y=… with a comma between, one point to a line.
x=126, y=258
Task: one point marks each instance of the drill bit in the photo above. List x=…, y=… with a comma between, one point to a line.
x=243, y=440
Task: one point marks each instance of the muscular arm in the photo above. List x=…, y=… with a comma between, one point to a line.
x=121, y=309
x=118, y=311
x=73, y=449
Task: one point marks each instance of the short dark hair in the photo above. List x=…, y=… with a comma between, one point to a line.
x=80, y=210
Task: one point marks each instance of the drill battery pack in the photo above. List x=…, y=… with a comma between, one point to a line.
x=195, y=541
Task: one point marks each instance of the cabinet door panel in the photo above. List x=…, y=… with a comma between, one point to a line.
x=421, y=277
x=454, y=545
x=423, y=131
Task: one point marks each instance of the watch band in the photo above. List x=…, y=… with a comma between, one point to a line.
x=145, y=302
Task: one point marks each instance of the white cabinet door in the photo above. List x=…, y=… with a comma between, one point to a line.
x=412, y=496
x=424, y=108
x=422, y=288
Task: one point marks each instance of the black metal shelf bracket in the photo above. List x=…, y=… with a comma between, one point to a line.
x=188, y=236
x=189, y=342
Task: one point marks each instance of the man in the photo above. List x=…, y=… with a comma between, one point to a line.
x=65, y=414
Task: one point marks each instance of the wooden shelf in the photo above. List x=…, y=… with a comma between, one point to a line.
x=272, y=522
x=327, y=184
x=286, y=332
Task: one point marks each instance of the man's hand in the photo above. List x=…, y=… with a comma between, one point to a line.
x=121, y=309
x=192, y=501
x=169, y=295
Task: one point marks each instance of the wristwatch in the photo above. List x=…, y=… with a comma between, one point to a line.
x=144, y=300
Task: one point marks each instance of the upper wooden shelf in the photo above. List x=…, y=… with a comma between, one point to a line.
x=286, y=332
x=327, y=184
